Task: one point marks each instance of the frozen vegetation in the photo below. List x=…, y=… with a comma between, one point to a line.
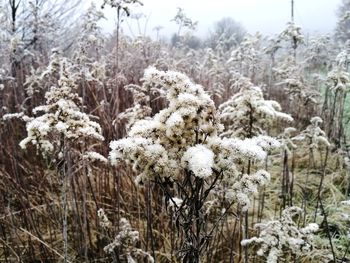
x=230, y=148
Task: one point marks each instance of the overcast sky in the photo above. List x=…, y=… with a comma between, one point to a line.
x=266, y=16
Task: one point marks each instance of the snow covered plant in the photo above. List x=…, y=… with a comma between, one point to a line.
x=287, y=180
x=124, y=244
x=91, y=38
x=246, y=58
x=60, y=130
x=248, y=114
x=317, y=52
x=141, y=106
x=289, y=75
x=338, y=81
x=60, y=120
x=282, y=238
x=293, y=34
x=180, y=151
x=286, y=140
x=87, y=55
x=313, y=134
x=41, y=80
x=214, y=72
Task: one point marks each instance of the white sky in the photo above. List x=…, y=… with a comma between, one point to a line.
x=266, y=16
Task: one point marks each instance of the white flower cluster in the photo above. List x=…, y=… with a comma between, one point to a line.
x=126, y=237
x=141, y=106
x=94, y=156
x=19, y=115
x=156, y=146
x=247, y=186
x=247, y=113
x=314, y=134
x=200, y=160
x=279, y=237
x=184, y=137
x=126, y=240
x=60, y=118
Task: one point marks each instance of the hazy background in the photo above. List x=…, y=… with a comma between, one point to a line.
x=266, y=16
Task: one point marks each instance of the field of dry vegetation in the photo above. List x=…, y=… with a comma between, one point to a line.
x=233, y=148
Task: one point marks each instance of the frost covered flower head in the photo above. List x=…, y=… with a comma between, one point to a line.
x=243, y=189
x=60, y=118
x=286, y=140
x=200, y=160
x=183, y=139
x=292, y=33
x=156, y=146
x=283, y=238
x=314, y=134
x=141, y=106
x=248, y=114
x=104, y=221
x=125, y=241
x=338, y=80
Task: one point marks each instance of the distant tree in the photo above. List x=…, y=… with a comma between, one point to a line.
x=342, y=30
x=227, y=32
